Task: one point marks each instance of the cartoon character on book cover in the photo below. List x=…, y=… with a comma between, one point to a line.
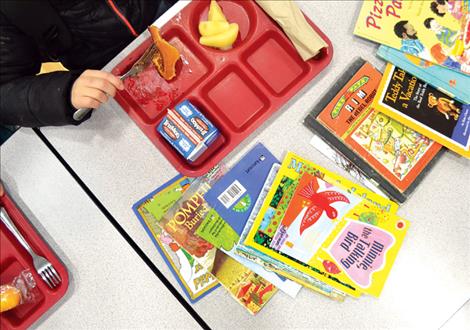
x=193, y=278
x=404, y=94
x=432, y=30
x=312, y=215
x=396, y=151
x=393, y=144
x=192, y=274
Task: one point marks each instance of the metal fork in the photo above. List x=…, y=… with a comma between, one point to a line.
x=43, y=267
x=136, y=68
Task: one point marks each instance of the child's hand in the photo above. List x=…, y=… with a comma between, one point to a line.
x=93, y=87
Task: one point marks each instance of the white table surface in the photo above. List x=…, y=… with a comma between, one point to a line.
x=430, y=280
x=110, y=286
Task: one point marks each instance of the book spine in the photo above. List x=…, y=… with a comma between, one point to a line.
x=286, y=271
x=388, y=55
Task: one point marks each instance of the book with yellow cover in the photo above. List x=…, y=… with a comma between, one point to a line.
x=329, y=228
x=425, y=109
x=433, y=30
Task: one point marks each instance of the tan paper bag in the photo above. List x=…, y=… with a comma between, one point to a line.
x=289, y=16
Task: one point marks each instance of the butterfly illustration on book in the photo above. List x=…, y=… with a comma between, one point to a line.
x=320, y=202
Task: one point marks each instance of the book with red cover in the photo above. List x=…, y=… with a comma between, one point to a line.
x=392, y=155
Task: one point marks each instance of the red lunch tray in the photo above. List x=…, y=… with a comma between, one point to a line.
x=237, y=90
x=14, y=259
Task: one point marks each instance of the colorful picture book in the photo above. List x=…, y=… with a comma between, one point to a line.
x=391, y=155
x=192, y=277
x=233, y=196
x=425, y=109
x=451, y=82
x=191, y=214
x=268, y=262
x=328, y=227
x=232, y=199
x=433, y=30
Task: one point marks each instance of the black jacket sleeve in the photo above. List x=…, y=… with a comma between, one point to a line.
x=25, y=98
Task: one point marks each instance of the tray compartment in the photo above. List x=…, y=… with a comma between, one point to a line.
x=148, y=94
x=275, y=63
x=241, y=12
x=234, y=97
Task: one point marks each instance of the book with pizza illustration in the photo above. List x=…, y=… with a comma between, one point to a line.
x=433, y=30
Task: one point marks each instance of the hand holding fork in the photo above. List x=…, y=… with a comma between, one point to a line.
x=108, y=84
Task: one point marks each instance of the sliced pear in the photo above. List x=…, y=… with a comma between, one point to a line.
x=215, y=12
x=209, y=28
x=221, y=40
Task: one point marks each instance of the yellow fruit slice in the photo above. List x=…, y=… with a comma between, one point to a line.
x=221, y=40
x=215, y=12
x=209, y=28
x=10, y=297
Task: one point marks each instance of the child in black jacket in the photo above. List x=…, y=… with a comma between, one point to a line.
x=96, y=31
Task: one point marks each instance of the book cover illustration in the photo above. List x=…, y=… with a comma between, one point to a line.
x=431, y=30
x=397, y=152
x=427, y=110
x=320, y=265
x=363, y=247
x=277, y=203
x=247, y=287
x=400, y=150
x=314, y=213
x=450, y=81
x=234, y=195
x=272, y=220
x=182, y=222
x=270, y=263
x=218, y=232
x=195, y=281
x=232, y=199
x=311, y=216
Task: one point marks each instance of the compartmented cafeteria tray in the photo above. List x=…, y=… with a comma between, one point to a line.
x=14, y=259
x=237, y=89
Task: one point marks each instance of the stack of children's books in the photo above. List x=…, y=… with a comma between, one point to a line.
x=387, y=129
x=426, y=83
x=264, y=226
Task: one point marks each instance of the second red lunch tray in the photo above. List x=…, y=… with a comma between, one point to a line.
x=14, y=259
x=237, y=90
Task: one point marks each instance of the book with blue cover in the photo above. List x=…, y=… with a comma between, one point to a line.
x=193, y=278
x=450, y=81
x=234, y=195
x=233, y=200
